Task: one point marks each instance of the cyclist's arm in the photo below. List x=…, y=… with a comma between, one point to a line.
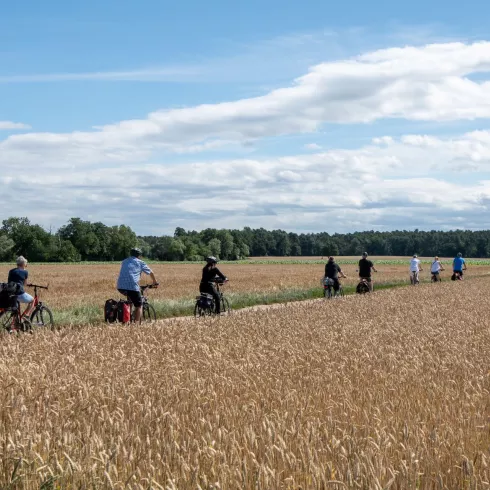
x=464, y=266
x=154, y=279
x=374, y=268
x=220, y=274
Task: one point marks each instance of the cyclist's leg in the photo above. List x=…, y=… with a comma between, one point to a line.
x=136, y=298
x=336, y=285
x=217, y=299
x=26, y=299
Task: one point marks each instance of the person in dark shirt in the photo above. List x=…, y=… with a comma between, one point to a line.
x=332, y=271
x=365, y=267
x=210, y=273
x=19, y=276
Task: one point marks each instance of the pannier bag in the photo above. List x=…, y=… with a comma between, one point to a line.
x=7, y=300
x=362, y=287
x=110, y=311
x=123, y=311
x=205, y=301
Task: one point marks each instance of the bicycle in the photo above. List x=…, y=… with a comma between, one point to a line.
x=436, y=277
x=41, y=316
x=148, y=313
x=414, y=278
x=12, y=320
x=205, y=305
x=328, y=290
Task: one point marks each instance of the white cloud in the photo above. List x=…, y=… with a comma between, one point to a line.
x=407, y=183
x=425, y=83
x=9, y=125
x=312, y=146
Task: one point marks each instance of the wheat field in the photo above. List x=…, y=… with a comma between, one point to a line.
x=79, y=285
x=389, y=390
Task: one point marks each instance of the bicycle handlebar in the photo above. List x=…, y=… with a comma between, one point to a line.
x=149, y=286
x=37, y=286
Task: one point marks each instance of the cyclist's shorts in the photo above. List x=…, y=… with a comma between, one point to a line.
x=134, y=296
x=368, y=279
x=25, y=298
x=458, y=272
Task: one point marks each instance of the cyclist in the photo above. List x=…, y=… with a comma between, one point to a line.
x=208, y=281
x=365, y=267
x=435, y=269
x=19, y=276
x=332, y=271
x=459, y=265
x=129, y=277
x=415, y=268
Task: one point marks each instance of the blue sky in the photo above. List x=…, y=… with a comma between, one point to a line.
x=100, y=89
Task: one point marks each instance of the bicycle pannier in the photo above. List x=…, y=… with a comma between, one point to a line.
x=362, y=287
x=123, y=312
x=205, y=301
x=110, y=311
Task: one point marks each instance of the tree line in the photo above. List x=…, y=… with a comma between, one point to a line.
x=80, y=240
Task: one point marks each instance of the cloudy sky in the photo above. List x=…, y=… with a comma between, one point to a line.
x=305, y=116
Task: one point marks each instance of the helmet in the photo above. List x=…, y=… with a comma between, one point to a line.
x=136, y=252
x=331, y=259
x=364, y=254
x=211, y=260
x=460, y=254
x=414, y=256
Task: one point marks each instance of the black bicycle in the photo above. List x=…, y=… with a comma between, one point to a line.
x=205, y=304
x=329, y=291
x=148, y=313
x=41, y=316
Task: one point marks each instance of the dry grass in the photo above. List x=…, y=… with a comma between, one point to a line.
x=81, y=285
x=385, y=391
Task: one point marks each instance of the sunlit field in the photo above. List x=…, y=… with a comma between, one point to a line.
x=389, y=390
x=89, y=285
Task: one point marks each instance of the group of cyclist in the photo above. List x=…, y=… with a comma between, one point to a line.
x=366, y=267
x=133, y=267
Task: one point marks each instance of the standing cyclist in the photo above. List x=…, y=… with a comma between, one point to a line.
x=332, y=271
x=365, y=267
x=208, y=281
x=415, y=268
x=129, y=277
x=435, y=269
x=459, y=265
x=19, y=276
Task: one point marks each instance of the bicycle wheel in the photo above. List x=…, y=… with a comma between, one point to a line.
x=340, y=292
x=42, y=317
x=225, y=306
x=199, y=311
x=149, y=314
x=328, y=292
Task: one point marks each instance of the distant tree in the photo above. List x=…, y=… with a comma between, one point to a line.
x=215, y=247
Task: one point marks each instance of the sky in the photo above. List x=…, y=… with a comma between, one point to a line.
x=305, y=116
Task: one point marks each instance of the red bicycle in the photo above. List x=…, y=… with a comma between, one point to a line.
x=41, y=316
x=12, y=320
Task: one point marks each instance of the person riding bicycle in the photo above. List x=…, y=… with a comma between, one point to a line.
x=208, y=281
x=19, y=276
x=415, y=268
x=129, y=277
x=436, y=268
x=459, y=265
x=332, y=271
x=365, y=267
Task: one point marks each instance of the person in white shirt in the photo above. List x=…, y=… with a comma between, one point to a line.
x=415, y=268
x=435, y=269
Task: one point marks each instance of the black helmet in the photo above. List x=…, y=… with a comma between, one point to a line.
x=211, y=260
x=136, y=252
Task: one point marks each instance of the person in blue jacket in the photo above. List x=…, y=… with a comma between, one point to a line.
x=459, y=265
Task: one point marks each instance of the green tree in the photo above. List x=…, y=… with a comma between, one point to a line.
x=215, y=247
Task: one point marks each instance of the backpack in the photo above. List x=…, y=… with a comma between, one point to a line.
x=110, y=311
x=362, y=287
x=123, y=311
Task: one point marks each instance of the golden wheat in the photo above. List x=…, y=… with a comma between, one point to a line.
x=88, y=284
x=391, y=390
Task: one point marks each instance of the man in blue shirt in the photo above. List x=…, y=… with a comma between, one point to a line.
x=459, y=265
x=19, y=275
x=129, y=277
